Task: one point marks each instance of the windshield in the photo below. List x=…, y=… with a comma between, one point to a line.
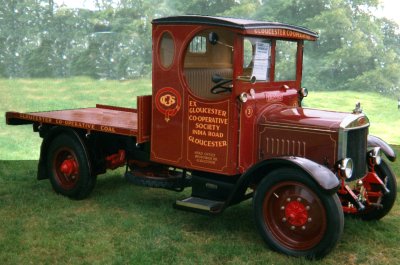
x=257, y=59
x=285, y=60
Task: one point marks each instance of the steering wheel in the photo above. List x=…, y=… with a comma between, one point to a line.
x=220, y=82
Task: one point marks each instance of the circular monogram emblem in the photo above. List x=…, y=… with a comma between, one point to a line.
x=168, y=102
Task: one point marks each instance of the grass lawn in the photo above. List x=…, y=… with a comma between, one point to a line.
x=28, y=95
x=125, y=224
x=381, y=110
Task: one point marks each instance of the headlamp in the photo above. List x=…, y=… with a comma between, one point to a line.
x=243, y=97
x=345, y=167
x=304, y=92
x=374, y=156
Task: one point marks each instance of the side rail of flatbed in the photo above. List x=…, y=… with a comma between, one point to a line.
x=102, y=118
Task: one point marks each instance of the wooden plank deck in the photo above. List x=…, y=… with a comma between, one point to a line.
x=107, y=119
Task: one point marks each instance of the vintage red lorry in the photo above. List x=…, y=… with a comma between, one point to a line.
x=225, y=118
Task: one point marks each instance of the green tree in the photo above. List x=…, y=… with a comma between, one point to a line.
x=38, y=62
x=18, y=32
x=353, y=47
x=205, y=7
x=38, y=38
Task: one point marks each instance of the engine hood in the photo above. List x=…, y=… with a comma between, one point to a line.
x=312, y=118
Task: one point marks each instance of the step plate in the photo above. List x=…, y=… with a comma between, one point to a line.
x=200, y=204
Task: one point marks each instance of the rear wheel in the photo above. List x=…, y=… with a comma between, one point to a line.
x=295, y=216
x=68, y=167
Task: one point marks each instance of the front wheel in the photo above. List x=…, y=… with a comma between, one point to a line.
x=295, y=216
x=69, y=168
x=387, y=200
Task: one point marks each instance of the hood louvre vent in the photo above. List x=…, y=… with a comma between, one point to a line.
x=284, y=147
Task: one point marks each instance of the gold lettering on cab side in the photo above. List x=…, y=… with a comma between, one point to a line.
x=207, y=133
x=283, y=33
x=208, y=122
x=205, y=157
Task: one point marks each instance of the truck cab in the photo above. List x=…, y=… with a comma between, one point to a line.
x=225, y=119
x=208, y=78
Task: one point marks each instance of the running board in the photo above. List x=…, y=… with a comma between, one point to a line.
x=201, y=205
x=176, y=182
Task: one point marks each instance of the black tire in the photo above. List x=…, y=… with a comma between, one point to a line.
x=67, y=153
x=295, y=216
x=389, y=178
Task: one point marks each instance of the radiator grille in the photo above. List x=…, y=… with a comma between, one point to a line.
x=357, y=149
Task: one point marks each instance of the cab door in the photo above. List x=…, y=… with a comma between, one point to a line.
x=211, y=117
x=192, y=127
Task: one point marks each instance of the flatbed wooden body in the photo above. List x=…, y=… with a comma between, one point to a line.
x=102, y=118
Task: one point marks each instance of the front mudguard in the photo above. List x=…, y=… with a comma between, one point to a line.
x=324, y=177
x=374, y=141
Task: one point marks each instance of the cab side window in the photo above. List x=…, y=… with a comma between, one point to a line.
x=204, y=59
x=166, y=50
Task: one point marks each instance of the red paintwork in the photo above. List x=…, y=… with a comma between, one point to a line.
x=371, y=192
x=303, y=117
x=69, y=167
x=290, y=227
x=204, y=153
x=299, y=132
x=109, y=120
x=296, y=213
x=345, y=191
x=66, y=168
x=116, y=160
x=143, y=118
x=372, y=184
x=101, y=106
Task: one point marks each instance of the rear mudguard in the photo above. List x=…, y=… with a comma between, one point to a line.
x=374, y=141
x=324, y=177
x=48, y=136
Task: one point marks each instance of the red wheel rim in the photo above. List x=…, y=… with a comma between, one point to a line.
x=66, y=168
x=294, y=215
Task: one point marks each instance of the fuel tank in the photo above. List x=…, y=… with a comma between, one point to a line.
x=319, y=135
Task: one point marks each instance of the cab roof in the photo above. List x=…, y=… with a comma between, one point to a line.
x=234, y=23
